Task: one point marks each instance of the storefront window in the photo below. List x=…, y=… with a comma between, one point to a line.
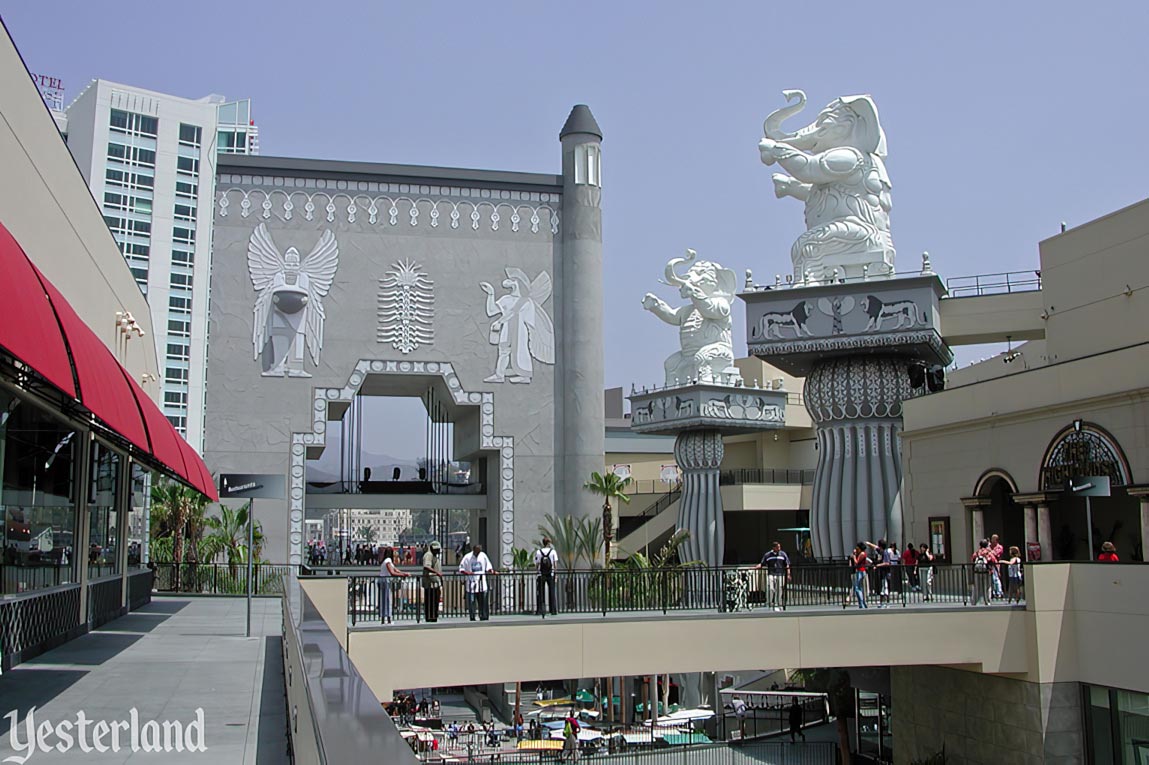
x=105, y=523
x=37, y=498
x=138, y=519
x=1117, y=726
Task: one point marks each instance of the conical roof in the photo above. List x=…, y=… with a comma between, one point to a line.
x=581, y=121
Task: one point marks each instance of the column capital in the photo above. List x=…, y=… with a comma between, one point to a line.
x=976, y=503
x=1036, y=497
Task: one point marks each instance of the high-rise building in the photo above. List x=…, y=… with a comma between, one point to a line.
x=149, y=160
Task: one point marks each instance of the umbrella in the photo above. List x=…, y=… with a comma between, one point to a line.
x=685, y=715
x=585, y=697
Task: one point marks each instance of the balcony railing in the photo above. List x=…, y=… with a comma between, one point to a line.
x=993, y=284
x=220, y=578
x=690, y=588
x=740, y=476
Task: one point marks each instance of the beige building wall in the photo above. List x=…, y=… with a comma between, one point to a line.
x=46, y=205
x=1091, y=366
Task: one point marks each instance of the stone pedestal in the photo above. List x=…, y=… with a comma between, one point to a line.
x=864, y=347
x=699, y=415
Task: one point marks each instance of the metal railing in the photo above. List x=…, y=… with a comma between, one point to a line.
x=993, y=284
x=740, y=476
x=17, y=579
x=393, y=487
x=775, y=752
x=690, y=588
x=220, y=578
x=638, y=487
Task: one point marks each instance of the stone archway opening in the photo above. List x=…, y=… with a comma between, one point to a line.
x=473, y=441
x=1087, y=449
x=1000, y=514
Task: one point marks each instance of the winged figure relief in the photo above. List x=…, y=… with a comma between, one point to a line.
x=522, y=330
x=288, y=309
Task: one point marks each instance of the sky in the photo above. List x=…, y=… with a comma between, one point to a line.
x=995, y=112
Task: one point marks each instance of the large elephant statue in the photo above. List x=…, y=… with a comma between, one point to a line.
x=836, y=167
x=707, y=347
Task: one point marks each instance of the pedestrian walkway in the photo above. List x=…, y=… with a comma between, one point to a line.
x=166, y=660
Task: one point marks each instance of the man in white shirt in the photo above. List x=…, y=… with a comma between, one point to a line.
x=476, y=565
x=546, y=563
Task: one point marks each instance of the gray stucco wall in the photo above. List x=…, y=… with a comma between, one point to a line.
x=460, y=235
x=984, y=718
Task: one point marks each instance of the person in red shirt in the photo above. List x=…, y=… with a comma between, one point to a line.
x=910, y=566
x=1108, y=553
x=860, y=562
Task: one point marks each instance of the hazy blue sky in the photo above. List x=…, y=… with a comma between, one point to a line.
x=996, y=112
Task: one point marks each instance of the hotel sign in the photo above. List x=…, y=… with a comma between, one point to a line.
x=51, y=90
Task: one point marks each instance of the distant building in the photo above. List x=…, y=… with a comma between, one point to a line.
x=149, y=159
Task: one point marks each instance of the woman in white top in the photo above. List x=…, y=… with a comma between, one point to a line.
x=387, y=571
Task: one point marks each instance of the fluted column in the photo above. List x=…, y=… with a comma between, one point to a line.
x=856, y=405
x=699, y=455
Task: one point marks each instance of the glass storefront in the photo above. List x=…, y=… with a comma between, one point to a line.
x=105, y=522
x=37, y=497
x=1117, y=726
x=138, y=526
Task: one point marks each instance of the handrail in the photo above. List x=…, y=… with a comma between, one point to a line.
x=993, y=284
x=738, y=476
x=624, y=588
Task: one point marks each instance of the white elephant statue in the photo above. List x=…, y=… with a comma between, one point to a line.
x=836, y=166
x=705, y=323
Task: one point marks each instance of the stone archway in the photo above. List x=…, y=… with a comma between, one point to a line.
x=365, y=368
x=1087, y=449
x=1001, y=515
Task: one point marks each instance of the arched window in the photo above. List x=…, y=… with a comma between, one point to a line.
x=1079, y=450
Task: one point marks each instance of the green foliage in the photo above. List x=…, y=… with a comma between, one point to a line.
x=576, y=540
x=608, y=486
x=368, y=534
x=640, y=582
x=177, y=514
x=521, y=559
x=228, y=536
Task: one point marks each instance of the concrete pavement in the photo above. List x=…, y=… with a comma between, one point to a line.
x=167, y=660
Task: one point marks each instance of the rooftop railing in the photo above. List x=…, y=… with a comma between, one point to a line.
x=993, y=284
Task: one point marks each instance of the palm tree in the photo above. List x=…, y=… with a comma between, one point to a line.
x=368, y=534
x=608, y=486
x=173, y=506
x=229, y=536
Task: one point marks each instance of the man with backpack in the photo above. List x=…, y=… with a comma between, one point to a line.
x=546, y=561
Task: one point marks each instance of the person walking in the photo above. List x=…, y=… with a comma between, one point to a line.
x=859, y=562
x=432, y=582
x=777, y=565
x=882, y=565
x=926, y=572
x=984, y=562
x=796, y=721
x=1108, y=553
x=546, y=561
x=388, y=573
x=475, y=565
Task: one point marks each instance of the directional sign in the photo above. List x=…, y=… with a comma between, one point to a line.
x=1089, y=486
x=251, y=485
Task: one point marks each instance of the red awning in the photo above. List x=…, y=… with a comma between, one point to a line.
x=29, y=330
x=103, y=390
x=42, y=330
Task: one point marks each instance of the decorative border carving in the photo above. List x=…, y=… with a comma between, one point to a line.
x=318, y=437
x=393, y=204
x=929, y=338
